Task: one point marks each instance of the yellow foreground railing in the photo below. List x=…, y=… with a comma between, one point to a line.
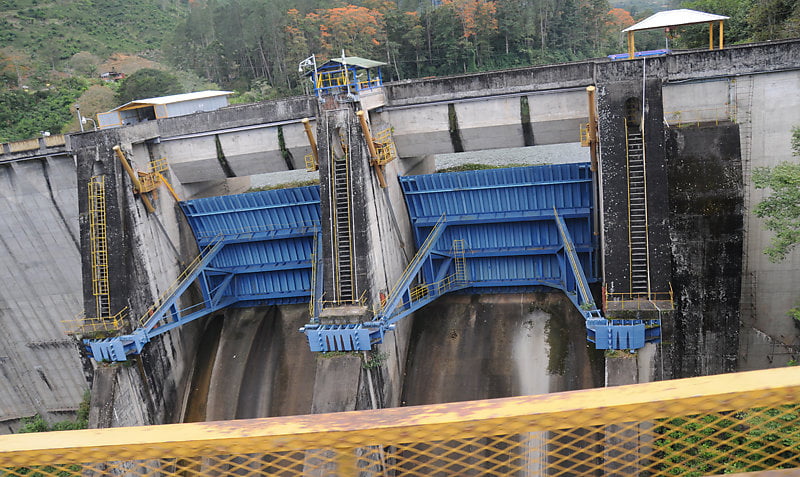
x=700, y=426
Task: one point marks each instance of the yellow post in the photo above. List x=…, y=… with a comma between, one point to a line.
x=721, y=34
x=631, y=47
x=710, y=35
x=592, y=127
x=311, y=140
x=371, y=145
x=169, y=187
x=137, y=186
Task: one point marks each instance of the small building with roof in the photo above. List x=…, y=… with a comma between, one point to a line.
x=150, y=109
x=356, y=78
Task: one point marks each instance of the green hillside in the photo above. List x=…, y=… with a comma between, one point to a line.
x=56, y=30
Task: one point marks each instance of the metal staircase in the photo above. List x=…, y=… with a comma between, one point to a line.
x=637, y=213
x=343, y=233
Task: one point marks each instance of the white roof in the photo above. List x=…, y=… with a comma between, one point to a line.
x=175, y=98
x=670, y=18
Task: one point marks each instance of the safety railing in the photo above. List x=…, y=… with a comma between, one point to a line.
x=584, y=134
x=384, y=147
x=360, y=301
x=658, y=301
x=187, y=274
x=696, y=117
x=311, y=163
x=81, y=325
x=159, y=165
x=332, y=79
x=745, y=422
x=456, y=280
x=369, y=83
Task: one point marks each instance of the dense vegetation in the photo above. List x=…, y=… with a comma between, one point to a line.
x=255, y=46
x=26, y=114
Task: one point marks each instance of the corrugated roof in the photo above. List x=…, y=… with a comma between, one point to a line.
x=358, y=61
x=671, y=18
x=171, y=99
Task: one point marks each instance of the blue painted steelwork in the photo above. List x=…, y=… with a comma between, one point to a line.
x=640, y=54
x=524, y=228
x=257, y=251
x=350, y=75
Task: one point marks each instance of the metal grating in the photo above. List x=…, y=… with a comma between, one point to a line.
x=744, y=422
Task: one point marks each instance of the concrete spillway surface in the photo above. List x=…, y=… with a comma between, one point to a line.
x=466, y=347
x=253, y=362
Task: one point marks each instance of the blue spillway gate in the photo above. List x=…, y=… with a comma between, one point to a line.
x=255, y=250
x=521, y=229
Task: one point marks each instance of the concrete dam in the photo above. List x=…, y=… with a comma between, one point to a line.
x=706, y=119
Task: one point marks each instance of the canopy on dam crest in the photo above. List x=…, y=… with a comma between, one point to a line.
x=671, y=18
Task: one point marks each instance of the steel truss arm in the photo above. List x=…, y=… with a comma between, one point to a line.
x=604, y=333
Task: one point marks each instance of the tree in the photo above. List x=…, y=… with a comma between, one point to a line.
x=148, y=83
x=737, y=29
x=773, y=19
x=781, y=209
x=84, y=63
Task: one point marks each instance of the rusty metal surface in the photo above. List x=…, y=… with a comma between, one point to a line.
x=699, y=426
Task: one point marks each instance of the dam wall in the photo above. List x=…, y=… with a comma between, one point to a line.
x=40, y=368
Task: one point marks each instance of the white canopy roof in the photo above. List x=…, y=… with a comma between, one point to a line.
x=175, y=98
x=674, y=18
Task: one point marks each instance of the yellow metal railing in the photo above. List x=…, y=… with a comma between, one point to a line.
x=332, y=79
x=182, y=278
x=745, y=422
x=696, y=117
x=311, y=163
x=369, y=84
x=159, y=165
x=81, y=325
x=584, y=134
x=384, y=147
x=440, y=287
x=659, y=301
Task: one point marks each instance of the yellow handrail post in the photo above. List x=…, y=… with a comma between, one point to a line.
x=137, y=186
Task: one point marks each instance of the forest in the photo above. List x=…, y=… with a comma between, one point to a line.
x=51, y=52
x=241, y=42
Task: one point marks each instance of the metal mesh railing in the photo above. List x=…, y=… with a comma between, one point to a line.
x=732, y=423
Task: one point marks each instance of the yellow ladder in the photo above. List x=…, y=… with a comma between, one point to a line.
x=98, y=245
x=460, y=262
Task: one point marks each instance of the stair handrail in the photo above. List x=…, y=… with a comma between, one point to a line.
x=188, y=273
x=413, y=267
x=577, y=270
